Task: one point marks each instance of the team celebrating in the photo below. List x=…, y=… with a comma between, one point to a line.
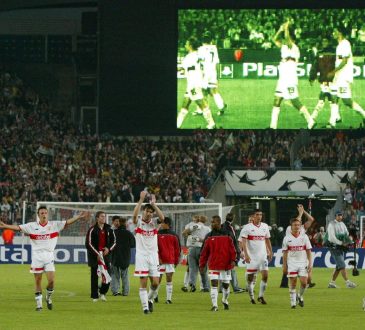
x=332, y=68
x=216, y=252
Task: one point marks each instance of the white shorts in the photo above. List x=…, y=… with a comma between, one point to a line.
x=286, y=92
x=194, y=94
x=295, y=269
x=326, y=87
x=166, y=268
x=210, y=79
x=222, y=275
x=147, y=265
x=42, y=262
x=342, y=89
x=256, y=266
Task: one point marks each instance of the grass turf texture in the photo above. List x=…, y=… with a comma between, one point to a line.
x=250, y=103
x=73, y=309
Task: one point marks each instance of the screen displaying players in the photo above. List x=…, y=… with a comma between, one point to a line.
x=270, y=68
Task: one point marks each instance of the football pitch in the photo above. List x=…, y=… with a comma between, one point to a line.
x=250, y=103
x=73, y=309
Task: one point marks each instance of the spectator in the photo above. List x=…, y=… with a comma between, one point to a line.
x=121, y=257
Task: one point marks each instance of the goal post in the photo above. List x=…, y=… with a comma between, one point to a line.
x=180, y=213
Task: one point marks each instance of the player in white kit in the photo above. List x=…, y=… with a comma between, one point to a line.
x=303, y=229
x=256, y=246
x=297, y=261
x=194, y=81
x=208, y=55
x=343, y=75
x=287, y=86
x=43, y=236
x=147, y=262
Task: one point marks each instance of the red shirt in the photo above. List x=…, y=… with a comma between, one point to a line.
x=218, y=251
x=102, y=239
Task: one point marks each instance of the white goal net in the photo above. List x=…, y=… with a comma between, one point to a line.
x=180, y=213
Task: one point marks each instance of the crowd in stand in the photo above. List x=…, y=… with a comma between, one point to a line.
x=43, y=157
x=247, y=28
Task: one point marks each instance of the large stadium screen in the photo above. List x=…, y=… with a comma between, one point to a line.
x=270, y=68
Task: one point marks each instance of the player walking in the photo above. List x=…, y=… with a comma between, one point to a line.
x=43, y=236
x=169, y=254
x=219, y=252
x=343, y=75
x=297, y=261
x=147, y=250
x=194, y=90
x=324, y=63
x=256, y=247
x=208, y=55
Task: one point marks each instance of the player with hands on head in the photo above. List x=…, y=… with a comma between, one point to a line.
x=297, y=261
x=147, y=261
x=43, y=236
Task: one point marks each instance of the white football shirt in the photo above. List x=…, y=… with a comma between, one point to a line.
x=256, y=235
x=43, y=237
x=296, y=247
x=193, y=72
x=146, y=237
x=343, y=50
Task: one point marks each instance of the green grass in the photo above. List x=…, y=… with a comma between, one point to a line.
x=250, y=102
x=73, y=309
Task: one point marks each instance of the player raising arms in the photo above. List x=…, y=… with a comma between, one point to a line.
x=147, y=250
x=220, y=254
x=303, y=229
x=343, y=75
x=208, y=55
x=194, y=89
x=256, y=247
x=287, y=86
x=297, y=260
x=43, y=236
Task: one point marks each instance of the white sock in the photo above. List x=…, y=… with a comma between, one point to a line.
x=169, y=290
x=181, y=116
x=49, y=293
x=303, y=110
x=143, y=296
x=38, y=299
x=152, y=293
x=218, y=101
x=225, y=295
x=214, y=295
x=301, y=292
x=207, y=114
x=318, y=109
x=274, y=117
x=358, y=108
x=334, y=114
x=186, y=279
x=293, y=297
x=263, y=286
